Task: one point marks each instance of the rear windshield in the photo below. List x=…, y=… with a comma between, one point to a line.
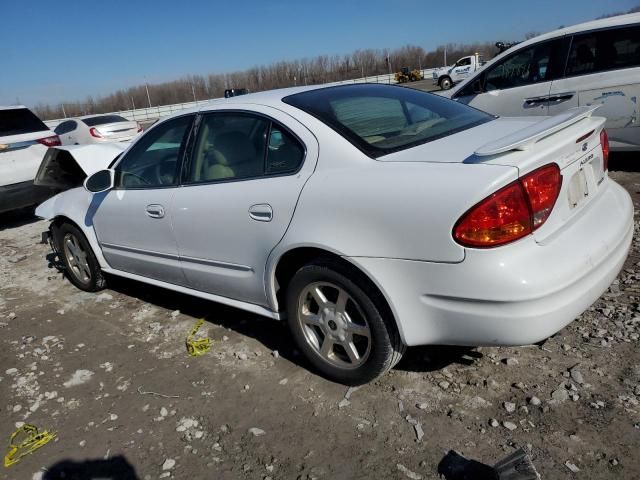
x=382, y=119
x=17, y=121
x=103, y=119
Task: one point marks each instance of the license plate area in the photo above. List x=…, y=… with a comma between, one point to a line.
x=578, y=188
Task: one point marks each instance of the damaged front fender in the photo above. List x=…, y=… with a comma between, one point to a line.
x=66, y=167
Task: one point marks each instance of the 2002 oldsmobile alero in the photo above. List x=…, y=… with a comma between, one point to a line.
x=369, y=217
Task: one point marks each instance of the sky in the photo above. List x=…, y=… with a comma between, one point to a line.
x=64, y=51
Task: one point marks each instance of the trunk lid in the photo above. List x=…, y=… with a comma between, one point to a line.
x=571, y=140
x=118, y=130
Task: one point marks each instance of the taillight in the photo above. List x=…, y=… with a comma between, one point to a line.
x=53, y=141
x=604, y=141
x=94, y=132
x=139, y=128
x=512, y=212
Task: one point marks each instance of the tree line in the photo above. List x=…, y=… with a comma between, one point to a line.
x=308, y=71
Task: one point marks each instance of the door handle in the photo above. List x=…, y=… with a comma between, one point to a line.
x=536, y=100
x=262, y=212
x=155, y=211
x=561, y=97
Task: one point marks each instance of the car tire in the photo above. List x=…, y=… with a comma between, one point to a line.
x=353, y=339
x=80, y=264
x=445, y=83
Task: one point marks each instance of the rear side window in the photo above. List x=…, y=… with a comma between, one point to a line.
x=17, y=121
x=65, y=127
x=234, y=146
x=609, y=49
x=103, y=120
x=382, y=119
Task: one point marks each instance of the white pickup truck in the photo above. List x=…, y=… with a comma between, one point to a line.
x=447, y=77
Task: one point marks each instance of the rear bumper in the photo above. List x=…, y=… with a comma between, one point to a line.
x=23, y=194
x=513, y=295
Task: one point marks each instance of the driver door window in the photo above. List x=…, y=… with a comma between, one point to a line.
x=526, y=67
x=154, y=161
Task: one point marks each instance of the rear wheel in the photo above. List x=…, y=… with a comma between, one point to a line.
x=445, y=83
x=81, y=265
x=341, y=326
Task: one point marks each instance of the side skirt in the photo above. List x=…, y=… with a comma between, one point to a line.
x=249, y=307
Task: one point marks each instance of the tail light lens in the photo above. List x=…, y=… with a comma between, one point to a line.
x=139, y=128
x=94, y=133
x=604, y=141
x=53, y=141
x=512, y=212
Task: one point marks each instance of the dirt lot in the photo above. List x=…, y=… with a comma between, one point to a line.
x=80, y=364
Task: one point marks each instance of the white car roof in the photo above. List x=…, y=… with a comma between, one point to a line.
x=11, y=107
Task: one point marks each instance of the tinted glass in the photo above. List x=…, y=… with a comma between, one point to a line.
x=103, y=119
x=381, y=119
x=229, y=146
x=604, y=50
x=17, y=121
x=65, y=127
x=528, y=66
x=153, y=160
x=285, y=153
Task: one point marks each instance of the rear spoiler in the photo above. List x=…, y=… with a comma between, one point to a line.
x=67, y=167
x=525, y=139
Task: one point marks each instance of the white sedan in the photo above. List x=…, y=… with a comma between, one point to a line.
x=97, y=129
x=369, y=217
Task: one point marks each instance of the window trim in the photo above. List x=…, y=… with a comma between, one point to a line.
x=181, y=156
x=589, y=32
x=190, y=157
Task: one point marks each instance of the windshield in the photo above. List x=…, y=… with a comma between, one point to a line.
x=103, y=120
x=382, y=119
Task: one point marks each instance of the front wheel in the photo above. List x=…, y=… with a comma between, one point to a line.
x=341, y=326
x=81, y=265
x=445, y=83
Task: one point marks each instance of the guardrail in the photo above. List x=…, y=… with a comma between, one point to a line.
x=153, y=113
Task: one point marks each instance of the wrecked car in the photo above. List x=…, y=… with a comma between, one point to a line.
x=368, y=217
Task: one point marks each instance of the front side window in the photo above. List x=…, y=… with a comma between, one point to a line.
x=154, y=160
x=526, y=67
x=382, y=119
x=604, y=50
x=463, y=62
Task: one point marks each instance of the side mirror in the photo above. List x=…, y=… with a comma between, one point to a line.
x=100, y=181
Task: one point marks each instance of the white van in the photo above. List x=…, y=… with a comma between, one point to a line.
x=588, y=64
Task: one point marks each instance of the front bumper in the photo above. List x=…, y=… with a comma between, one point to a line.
x=513, y=295
x=23, y=194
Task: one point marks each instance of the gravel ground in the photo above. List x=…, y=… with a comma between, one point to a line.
x=110, y=374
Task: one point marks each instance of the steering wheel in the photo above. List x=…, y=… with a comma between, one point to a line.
x=165, y=166
x=138, y=177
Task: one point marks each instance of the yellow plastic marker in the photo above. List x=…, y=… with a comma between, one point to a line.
x=197, y=346
x=33, y=441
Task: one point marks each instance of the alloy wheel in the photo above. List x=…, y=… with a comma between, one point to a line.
x=76, y=258
x=334, y=325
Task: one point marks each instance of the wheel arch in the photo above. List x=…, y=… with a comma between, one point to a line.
x=290, y=261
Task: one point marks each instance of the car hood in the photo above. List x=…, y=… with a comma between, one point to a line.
x=67, y=167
